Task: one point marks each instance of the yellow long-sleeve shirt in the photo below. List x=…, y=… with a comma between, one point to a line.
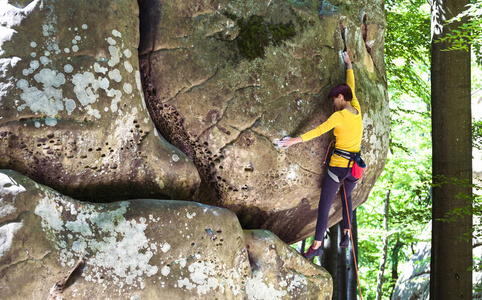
x=348, y=127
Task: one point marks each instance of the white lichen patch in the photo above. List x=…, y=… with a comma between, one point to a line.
x=82, y=88
x=68, y=68
x=7, y=233
x=166, y=247
x=257, y=289
x=114, y=247
x=9, y=189
x=116, y=33
x=34, y=64
x=115, y=75
x=99, y=69
x=121, y=131
x=46, y=94
x=165, y=270
x=202, y=277
x=128, y=66
x=50, y=121
x=111, y=41
x=203, y=274
x=139, y=88
x=127, y=88
x=8, y=186
x=190, y=216
x=292, y=172
x=92, y=112
x=115, y=56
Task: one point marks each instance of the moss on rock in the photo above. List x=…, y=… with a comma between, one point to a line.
x=256, y=34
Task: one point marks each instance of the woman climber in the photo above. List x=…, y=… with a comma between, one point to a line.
x=348, y=130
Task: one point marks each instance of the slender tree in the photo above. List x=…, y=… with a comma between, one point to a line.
x=329, y=258
x=394, y=258
x=384, y=255
x=352, y=276
x=334, y=260
x=451, y=259
x=342, y=270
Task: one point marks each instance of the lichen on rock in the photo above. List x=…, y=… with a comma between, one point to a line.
x=73, y=114
x=279, y=271
x=139, y=248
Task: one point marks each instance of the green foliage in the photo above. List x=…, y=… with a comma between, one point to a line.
x=407, y=48
x=407, y=175
x=477, y=134
x=469, y=34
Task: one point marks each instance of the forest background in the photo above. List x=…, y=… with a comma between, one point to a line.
x=396, y=215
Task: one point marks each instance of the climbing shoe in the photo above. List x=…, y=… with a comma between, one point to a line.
x=313, y=252
x=345, y=240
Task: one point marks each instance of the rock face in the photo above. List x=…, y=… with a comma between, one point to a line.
x=140, y=249
x=414, y=282
x=72, y=113
x=224, y=79
x=280, y=272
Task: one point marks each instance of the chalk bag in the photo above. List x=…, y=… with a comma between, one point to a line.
x=358, y=168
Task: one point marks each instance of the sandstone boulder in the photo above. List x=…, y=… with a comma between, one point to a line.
x=225, y=79
x=279, y=272
x=72, y=113
x=139, y=249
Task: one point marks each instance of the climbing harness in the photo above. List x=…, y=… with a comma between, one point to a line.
x=358, y=167
x=358, y=164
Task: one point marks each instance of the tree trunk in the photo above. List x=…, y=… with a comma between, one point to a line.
x=451, y=259
x=394, y=259
x=352, y=277
x=329, y=252
x=383, y=259
x=334, y=260
x=341, y=272
x=303, y=244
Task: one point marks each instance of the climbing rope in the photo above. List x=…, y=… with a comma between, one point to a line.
x=352, y=245
x=327, y=151
x=349, y=224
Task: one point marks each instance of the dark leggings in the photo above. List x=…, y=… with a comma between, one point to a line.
x=330, y=187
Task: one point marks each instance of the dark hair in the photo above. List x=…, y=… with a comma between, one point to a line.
x=343, y=89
